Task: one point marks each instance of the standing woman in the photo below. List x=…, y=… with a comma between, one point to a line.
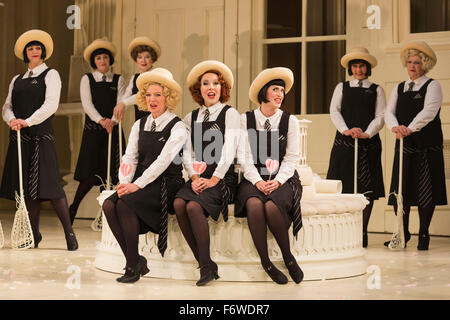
x=144, y=52
x=100, y=91
x=151, y=171
x=271, y=198
x=413, y=114
x=209, y=193
x=357, y=110
x=32, y=100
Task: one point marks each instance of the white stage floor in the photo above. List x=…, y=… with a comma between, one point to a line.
x=51, y=272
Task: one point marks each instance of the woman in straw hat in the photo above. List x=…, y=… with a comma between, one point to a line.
x=144, y=52
x=32, y=100
x=413, y=114
x=208, y=192
x=357, y=110
x=271, y=198
x=100, y=91
x=151, y=171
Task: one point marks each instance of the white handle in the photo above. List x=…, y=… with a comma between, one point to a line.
x=19, y=152
x=120, y=142
x=108, y=178
x=400, y=168
x=355, y=173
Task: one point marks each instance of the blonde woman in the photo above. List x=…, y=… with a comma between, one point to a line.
x=413, y=114
x=151, y=171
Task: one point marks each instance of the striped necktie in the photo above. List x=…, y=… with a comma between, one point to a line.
x=267, y=125
x=153, y=128
x=206, y=118
x=411, y=85
x=104, y=78
x=360, y=83
x=30, y=74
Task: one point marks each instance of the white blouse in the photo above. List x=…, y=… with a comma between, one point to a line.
x=86, y=97
x=128, y=97
x=52, y=95
x=432, y=104
x=232, y=133
x=336, y=104
x=291, y=159
x=174, y=144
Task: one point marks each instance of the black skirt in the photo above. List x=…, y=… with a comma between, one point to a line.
x=210, y=199
x=283, y=197
x=146, y=203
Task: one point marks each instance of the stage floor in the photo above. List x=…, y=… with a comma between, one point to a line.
x=52, y=272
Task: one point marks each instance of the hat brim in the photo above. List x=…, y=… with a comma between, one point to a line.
x=358, y=56
x=210, y=65
x=34, y=35
x=422, y=47
x=98, y=44
x=268, y=75
x=150, y=76
x=145, y=41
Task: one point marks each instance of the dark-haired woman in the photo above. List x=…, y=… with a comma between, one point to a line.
x=99, y=90
x=144, y=51
x=214, y=132
x=357, y=110
x=32, y=100
x=266, y=198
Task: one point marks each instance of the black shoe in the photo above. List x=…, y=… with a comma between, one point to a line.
x=365, y=240
x=71, y=240
x=275, y=274
x=407, y=238
x=424, y=242
x=37, y=240
x=294, y=271
x=72, y=213
x=133, y=274
x=208, y=273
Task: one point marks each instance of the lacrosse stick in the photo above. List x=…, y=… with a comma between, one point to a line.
x=355, y=170
x=21, y=233
x=398, y=237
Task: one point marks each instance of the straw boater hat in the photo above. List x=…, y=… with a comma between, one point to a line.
x=268, y=75
x=421, y=46
x=359, y=53
x=208, y=65
x=99, y=44
x=159, y=75
x=145, y=41
x=34, y=35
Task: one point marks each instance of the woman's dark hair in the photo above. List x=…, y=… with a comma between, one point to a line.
x=262, y=94
x=355, y=61
x=143, y=48
x=33, y=43
x=101, y=51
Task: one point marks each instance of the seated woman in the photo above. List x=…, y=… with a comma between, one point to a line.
x=151, y=171
x=100, y=90
x=144, y=51
x=208, y=193
x=270, y=196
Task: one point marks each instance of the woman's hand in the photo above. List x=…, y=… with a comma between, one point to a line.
x=353, y=132
x=119, y=111
x=107, y=124
x=126, y=188
x=261, y=186
x=272, y=185
x=17, y=124
x=401, y=131
x=200, y=184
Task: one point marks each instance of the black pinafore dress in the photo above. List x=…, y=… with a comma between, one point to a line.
x=147, y=202
x=138, y=114
x=358, y=110
x=423, y=159
x=216, y=199
x=93, y=157
x=41, y=179
x=287, y=196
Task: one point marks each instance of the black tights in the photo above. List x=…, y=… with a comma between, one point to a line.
x=61, y=209
x=124, y=225
x=366, y=215
x=83, y=188
x=425, y=216
x=259, y=216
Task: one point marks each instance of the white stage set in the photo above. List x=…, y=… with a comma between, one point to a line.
x=329, y=245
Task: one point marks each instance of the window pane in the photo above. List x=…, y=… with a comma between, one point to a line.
x=430, y=15
x=326, y=17
x=283, y=18
x=288, y=55
x=323, y=74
